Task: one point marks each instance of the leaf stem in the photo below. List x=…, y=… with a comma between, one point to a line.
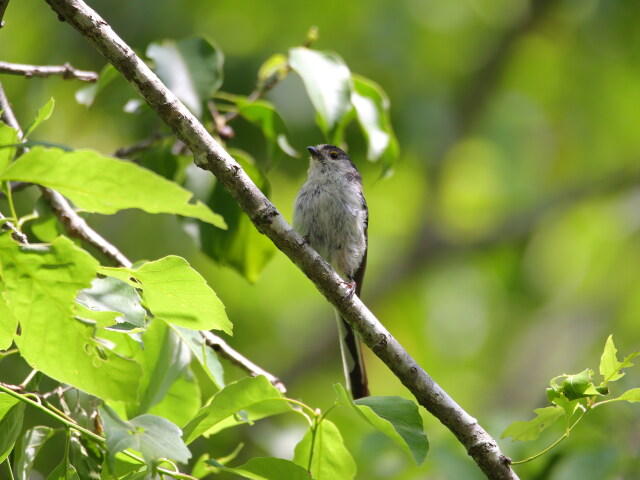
x=9, y=469
x=12, y=209
x=554, y=444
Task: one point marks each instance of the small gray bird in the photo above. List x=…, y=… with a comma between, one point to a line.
x=331, y=213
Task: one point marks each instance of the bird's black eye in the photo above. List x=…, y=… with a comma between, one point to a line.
x=333, y=154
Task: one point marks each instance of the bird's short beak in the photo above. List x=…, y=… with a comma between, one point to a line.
x=315, y=153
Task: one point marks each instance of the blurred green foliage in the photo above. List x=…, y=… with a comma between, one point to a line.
x=504, y=249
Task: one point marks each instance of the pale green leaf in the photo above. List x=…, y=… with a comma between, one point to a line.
x=154, y=437
x=609, y=364
x=101, y=184
x=396, y=417
x=266, y=468
x=328, y=83
x=177, y=293
x=41, y=283
x=329, y=457
x=8, y=136
x=531, y=430
x=273, y=69
x=578, y=385
x=43, y=114
x=253, y=395
x=190, y=68
x=8, y=322
x=11, y=416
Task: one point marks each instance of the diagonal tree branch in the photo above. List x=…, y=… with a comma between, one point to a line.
x=66, y=71
x=211, y=156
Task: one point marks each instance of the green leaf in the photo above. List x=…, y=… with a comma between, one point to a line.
x=241, y=246
x=8, y=136
x=41, y=283
x=164, y=359
x=264, y=115
x=190, y=68
x=154, y=437
x=101, y=184
x=64, y=471
x=266, y=468
x=177, y=293
x=328, y=83
x=524, y=431
x=113, y=295
x=8, y=322
x=203, y=354
x=274, y=69
x=372, y=110
x=579, y=385
x=11, y=416
x=631, y=396
x=610, y=367
x=27, y=449
x=87, y=95
x=326, y=455
x=396, y=417
x=255, y=395
x=43, y=114
x=182, y=400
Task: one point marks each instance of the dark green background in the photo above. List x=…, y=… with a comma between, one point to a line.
x=503, y=251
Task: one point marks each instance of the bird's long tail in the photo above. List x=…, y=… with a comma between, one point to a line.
x=352, y=360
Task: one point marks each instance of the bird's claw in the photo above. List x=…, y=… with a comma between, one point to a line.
x=351, y=289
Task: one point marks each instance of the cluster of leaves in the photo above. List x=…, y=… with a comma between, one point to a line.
x=193, y=69
x=573, y=396
x=134, y=383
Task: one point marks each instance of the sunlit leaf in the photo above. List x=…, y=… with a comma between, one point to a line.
x=190, y=68
x=273, y=69
x=524, y=431
x=41, y=283
x=241, y=246
x=250, y=394
x=396, y=417
x=43, y=114
x=328, y=82
x=11, y=416
x=64, y=471
x=8, y=322
x=610, y=367
x=154, y=437
x=101, y=184
x=372, y=110
x=326, y=454
x=266, y=468
x=87, y=95
x=579, y=385
x=8, y=136
x=177, y=293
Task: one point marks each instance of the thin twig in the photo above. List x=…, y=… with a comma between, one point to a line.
x=141, y=146
x=210, y=155
x=223, y=348
x=21, y=236
x=67, y=71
